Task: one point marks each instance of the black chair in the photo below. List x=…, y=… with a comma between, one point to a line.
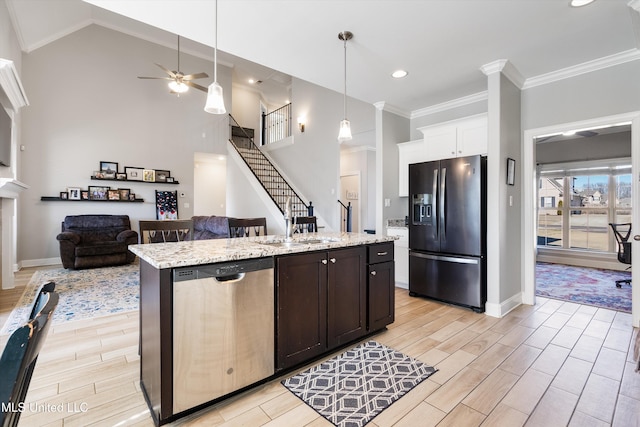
x=162, y=231
x=622, y=232
x=241, y=227
x=305, y=224
x=20, y=355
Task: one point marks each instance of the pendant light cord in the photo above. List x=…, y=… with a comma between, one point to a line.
x=345, y=78
x=215, y=48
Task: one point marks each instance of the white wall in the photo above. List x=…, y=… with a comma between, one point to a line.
x=87, y=105
x=209, y=184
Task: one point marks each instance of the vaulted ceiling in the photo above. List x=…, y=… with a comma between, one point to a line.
x=441, y=43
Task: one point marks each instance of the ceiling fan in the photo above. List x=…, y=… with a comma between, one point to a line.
x=180, y=82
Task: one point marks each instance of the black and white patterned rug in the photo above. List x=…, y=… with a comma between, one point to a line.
x=352, y=388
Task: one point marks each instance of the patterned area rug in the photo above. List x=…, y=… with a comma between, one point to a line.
x=83, y=293
x=352, y=388
x=591, y=286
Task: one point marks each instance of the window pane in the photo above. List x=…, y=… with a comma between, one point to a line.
x=550, y=211
x=589, y=229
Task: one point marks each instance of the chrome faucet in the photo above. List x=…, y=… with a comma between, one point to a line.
x=288, y=226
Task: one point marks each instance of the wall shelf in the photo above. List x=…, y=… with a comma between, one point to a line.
x=58, y=199
x=131, y=180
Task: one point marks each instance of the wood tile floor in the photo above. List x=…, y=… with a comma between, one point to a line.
x=552, y=364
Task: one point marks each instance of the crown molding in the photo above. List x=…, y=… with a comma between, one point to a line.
x=585, y=67
x=11, y=84
x=455, y=103
x=385, y=106
x=506, y=68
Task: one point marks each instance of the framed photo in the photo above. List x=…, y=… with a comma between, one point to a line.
x=98, y=174
x=511, y=171
x=166, y=204
x=84, y=195
x=109, y=167
x=132, y=197
x=124, y=193
x=169, y=179
x=98, y=192
x=64, y=195
x=161, y=176
x=149, y=175
x=113, y=195
x=133, y=174
x=74, y=193
x=121, y=176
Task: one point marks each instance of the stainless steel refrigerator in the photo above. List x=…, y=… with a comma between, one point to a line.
x=447, y=231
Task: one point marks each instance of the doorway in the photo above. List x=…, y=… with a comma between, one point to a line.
x=530, y=188
x=209, y=184
x=351, y=192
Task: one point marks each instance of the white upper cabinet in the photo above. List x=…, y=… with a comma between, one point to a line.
x=458, y=138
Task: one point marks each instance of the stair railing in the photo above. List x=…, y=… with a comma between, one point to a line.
x=346, y=216
x=276, y=125
x=264, y=171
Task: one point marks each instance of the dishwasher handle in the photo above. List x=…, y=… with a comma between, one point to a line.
x=231, y=278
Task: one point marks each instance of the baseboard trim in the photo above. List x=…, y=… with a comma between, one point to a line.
x=501, y=309
x=38, y=262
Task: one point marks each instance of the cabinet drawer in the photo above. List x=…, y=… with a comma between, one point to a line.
x=380, y=252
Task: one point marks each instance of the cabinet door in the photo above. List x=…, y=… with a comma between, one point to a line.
x=440, y=142
x=408, y=152
x=347, y=303
x=301, y=304
x=472, y=137
x=381, y=295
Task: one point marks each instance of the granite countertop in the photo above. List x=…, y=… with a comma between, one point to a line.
x=198, y=252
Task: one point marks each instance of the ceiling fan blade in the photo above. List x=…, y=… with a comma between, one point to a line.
x=195, y=76
x=166, y=70
x=160, y=78
x=195, y=85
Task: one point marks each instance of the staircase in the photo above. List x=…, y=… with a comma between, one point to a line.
x=268, y=176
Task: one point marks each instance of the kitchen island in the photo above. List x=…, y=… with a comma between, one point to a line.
x=220, y=316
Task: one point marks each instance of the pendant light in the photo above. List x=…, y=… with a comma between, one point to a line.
x=215, y=100
x=345, y=125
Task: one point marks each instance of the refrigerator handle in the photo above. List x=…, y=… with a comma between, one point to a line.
x=443, y=188
x=435, y=192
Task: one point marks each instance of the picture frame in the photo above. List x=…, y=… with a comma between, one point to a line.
x=110, y=167
x=98, y=174
x=166, y=205
x=149, y=175
x=84, y=195
x=511, y=171
x=74, y=193
x=121, y=176
x=64, y=195
x=133, y=173
x=132, y=197
x=124, y=193
x=170, y=179
x=162, y=175
x=98, y=192
x=113, y=194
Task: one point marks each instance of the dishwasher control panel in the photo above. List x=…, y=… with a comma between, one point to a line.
x=222, y=269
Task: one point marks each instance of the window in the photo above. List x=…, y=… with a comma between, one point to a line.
x=577, y=204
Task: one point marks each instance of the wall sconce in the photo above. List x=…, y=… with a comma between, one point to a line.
x=301, y=123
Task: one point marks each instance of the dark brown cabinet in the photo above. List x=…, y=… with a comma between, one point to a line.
x=380, y=286
x=321, y=303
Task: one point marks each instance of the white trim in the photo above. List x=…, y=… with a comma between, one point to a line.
x=11, y=85
x=449, y=105
x=585, y=67
x=507, y=69
x=502, y=309
x=529, y=191
x=385, y=106
x=38, y=262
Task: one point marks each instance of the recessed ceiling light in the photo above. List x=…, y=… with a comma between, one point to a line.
x=398, y=74
x=252, y=81
x=580, y=3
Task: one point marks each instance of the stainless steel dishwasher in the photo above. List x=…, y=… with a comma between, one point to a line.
x=223, y=329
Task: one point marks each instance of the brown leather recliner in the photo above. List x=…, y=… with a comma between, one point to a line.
x=89, y=241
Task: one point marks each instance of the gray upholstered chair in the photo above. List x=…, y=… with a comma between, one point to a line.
x=210, y=227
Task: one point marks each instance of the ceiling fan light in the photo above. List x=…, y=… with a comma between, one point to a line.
x=215, y=100
x=345, y=131
x=580, y=3
x=178, y=87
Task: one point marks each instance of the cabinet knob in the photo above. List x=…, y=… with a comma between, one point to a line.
x=333, y=260
x=324, y=261
x=373, y=273
x=382, y=253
